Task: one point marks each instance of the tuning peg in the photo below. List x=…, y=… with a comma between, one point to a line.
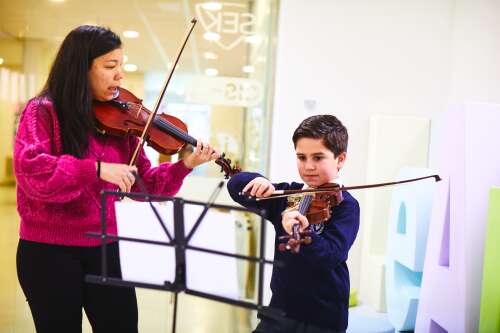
x=307, y=240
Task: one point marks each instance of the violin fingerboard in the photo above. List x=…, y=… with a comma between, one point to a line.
x=305, y=203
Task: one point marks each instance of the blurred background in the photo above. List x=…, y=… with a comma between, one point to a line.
x=221, y=88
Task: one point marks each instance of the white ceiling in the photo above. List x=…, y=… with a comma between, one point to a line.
x=162, y=26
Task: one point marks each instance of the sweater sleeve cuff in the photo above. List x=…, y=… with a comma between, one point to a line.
x=88, y=171
x=179, y=170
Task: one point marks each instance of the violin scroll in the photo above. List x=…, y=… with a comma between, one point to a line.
x=225, y=166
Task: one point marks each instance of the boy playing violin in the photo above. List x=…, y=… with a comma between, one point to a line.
x=312, y=287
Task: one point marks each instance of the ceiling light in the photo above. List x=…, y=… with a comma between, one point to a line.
x=252, y=39
x=173, y=7
x=210, y=55
x=57, y=1
x=212, y=6
x=125, y=58
x=211, y=72
x=211, y=36
x=130, y=34
x=1, y=61
x=248, y=69
x=130, y=67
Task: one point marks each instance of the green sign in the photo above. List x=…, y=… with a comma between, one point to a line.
x=490, y=297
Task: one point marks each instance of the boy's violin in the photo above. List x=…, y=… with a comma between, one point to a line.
x=316, y=205
x=332, y=187
x=317, y=208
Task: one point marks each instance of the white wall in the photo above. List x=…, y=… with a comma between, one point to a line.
x=358, y=58
x=475, y=74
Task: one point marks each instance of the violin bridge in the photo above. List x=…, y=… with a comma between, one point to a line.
x=293, y=200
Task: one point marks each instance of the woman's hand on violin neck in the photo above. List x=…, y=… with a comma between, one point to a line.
x=202, y=154
x=291, y=218
x=259, y=187
x=118, y=174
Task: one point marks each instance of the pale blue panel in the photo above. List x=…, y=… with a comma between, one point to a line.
x=366, y=321
x=409, y=218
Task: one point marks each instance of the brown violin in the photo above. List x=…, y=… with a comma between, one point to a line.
x=167, y=134
x=317, y=208
x=125, y=115
x=332, y=187
x=316, y=204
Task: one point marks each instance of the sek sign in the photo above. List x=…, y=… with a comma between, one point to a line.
x=230, y=22
x=230, y=91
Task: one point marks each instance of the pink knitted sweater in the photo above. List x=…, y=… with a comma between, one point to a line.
x=58, y=196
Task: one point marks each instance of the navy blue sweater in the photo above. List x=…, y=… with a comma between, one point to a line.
x=313, y=285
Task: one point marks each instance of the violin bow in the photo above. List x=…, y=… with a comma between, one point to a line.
x=336, y=188
x=152, y=115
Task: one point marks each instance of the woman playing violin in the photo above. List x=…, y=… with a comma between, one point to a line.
x=62, y=164
x=312, y=288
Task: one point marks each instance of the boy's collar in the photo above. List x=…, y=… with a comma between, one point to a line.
x=337, y=180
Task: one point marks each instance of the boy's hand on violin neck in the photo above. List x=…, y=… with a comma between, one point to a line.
x=259, y=187
x=203, y=153
x=291, y=218
x=118, y=174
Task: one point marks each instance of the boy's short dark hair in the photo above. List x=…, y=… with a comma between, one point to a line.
x=326, y=127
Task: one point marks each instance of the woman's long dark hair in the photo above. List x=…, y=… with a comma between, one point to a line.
x=68, y=84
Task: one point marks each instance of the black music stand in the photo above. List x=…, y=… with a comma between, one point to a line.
x=181, y=243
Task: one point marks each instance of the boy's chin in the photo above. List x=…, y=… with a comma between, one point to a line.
x=311, y=183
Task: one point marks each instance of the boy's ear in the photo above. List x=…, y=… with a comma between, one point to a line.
x=341, y=159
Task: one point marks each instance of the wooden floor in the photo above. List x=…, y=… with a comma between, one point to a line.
x=195, y=315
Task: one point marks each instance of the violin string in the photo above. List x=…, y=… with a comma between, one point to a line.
x=308, y=193
x=174, y=130
x=304, y=203
x=134, y=107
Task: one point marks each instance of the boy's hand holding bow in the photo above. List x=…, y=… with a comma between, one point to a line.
x=259, y=187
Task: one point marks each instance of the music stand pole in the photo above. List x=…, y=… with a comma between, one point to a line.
x=174, y=319
x=180, y=254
